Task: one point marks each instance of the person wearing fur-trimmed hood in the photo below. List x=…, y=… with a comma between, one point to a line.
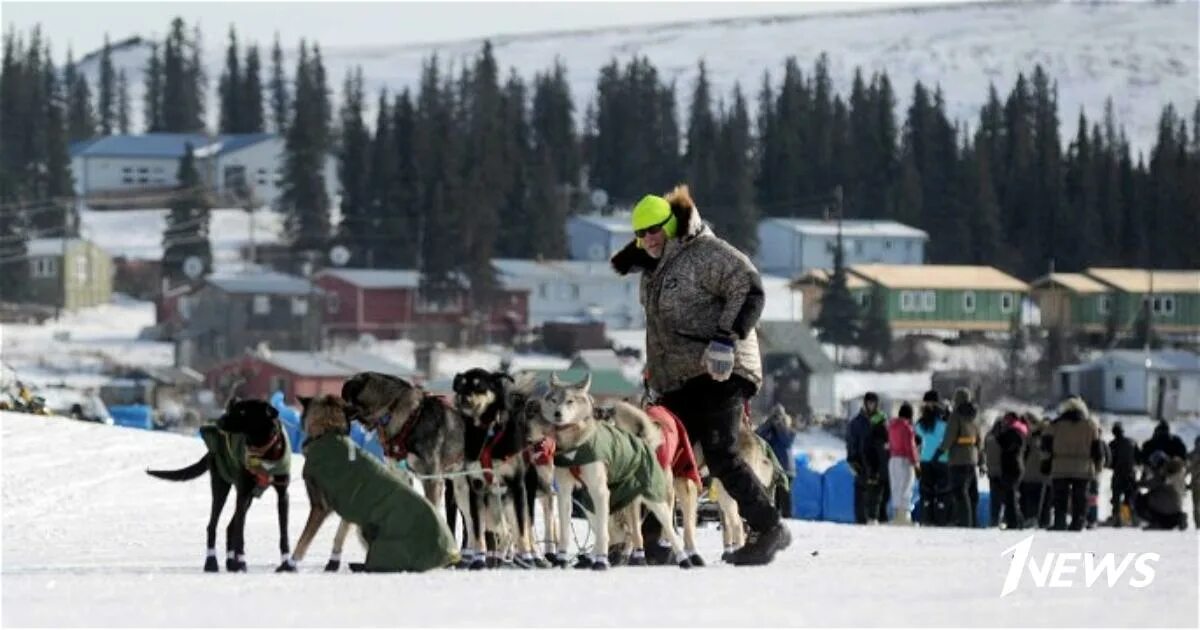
x=1073, y=443
x=702, y=299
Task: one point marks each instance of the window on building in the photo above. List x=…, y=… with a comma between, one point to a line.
x=44, y=267
x=81, y=268
x=908, y=301
x=1119, y=383
x=143, y=180
x=143, y=169
x=863, y=298
x=969, y=301
x=1006, y=302
x=262, y=305
x=887, y=244
x=1104, y=304
x=300, y=306
x=333, y=304
x=928, y=301
x=126, y=180
x=127, y=169
x=234, y=177
x=1169, y=305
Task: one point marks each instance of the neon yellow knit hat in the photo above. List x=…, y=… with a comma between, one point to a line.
x=653, y=210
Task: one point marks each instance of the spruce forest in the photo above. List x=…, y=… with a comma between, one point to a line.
x=476, y=162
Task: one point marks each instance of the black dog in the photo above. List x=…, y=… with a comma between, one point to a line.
x=498, y=438
x=247, y=450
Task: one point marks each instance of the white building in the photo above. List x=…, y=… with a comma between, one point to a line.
x=597, y=237
x=108, y=166
x=790, y=247
x=571, y=290
x=1162, y=383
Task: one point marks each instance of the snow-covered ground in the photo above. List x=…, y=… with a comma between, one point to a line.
x=76, y=348
x=1142, y=55
x=138, y=233
x=90, y=540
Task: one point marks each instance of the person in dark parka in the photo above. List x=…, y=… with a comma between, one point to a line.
x=1012, y=439
x=1123, y=463
x=856, y=440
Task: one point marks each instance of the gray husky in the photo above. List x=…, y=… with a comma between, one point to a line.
x=613, y=463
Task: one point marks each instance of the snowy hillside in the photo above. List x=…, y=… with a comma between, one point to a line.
x=1142, y=55
x=89, y=539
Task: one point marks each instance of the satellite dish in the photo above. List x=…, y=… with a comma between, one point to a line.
x=193, y=267
x=599, y=199
x=339, y=255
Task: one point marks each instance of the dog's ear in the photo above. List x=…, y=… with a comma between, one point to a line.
x=586, y=384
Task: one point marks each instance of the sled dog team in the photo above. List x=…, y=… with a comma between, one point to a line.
x=499, y=449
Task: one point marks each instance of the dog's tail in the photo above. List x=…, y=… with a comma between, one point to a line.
x=183, y=474
x=638, y=423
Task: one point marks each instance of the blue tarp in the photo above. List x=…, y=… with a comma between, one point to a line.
x=290, y=419
x=983, y=512
x=837, y=485
x=366, y=440
x=133, y=416
x=807, y=492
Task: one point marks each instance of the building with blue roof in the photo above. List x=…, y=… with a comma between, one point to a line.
x=129, y=171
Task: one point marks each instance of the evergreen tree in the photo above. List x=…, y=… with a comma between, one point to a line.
x=838, y=321
x=186, y=234
x=108, y=91
x=486, y=179
x=123, y=126
x=735, y=166
x=701, y=156
x=552, y=123
x=356, y=228
x=404, y=220
x=81, y=118
x=280, y=98
x=377, y=239
x=304, y=200
x=175, y=114
x=152, y=113
x=230, y=88
x=518, y=216
x=251, y=108
x=876, y=335
x=50, y=165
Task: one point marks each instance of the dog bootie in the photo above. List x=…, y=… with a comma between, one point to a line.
x=600, y=564
x=585, y=562
x=638, y=559
x=696, y=559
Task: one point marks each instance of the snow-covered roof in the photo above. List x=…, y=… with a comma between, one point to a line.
x=272, y=282
x=307, y=363
x=377, y=278
x=619, y=223
x=1141, y=280
x=598, y=360
x=856, y=228
x=166, y=145
x=939, y=277
x=516, y=268
x=1161, y=360
x=1077, y=282
x=48, y=246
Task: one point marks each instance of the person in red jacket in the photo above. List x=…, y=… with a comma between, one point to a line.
x=904, y=463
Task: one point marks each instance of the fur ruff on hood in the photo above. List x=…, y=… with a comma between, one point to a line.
x=634, y=258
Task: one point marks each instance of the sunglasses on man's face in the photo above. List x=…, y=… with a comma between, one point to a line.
x=653, y=229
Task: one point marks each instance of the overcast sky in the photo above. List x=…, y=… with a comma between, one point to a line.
x=82, y=25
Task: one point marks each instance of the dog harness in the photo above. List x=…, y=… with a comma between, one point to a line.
x=231, y=455
x=396, y=446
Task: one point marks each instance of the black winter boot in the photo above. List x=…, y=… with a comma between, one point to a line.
x=760, y=548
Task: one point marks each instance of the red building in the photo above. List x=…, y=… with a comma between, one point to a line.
x=296, y=374
x=389, y=304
